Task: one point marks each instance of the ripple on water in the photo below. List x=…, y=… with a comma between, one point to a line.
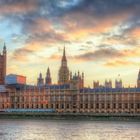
x=68, y=130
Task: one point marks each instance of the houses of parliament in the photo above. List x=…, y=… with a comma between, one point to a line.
x=69, y=95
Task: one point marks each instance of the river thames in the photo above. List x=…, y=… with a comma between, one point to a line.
x=68, y=130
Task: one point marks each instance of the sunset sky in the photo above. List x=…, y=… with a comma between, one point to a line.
x=102, y=38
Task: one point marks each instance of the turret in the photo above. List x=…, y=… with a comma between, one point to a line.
x=4, y=49
x=96, y=84
x=48, y=80
x=108, y=84
x=70, y=75
x=40, y=80
x=82, y=75
x=118, y=83
x=138, y=80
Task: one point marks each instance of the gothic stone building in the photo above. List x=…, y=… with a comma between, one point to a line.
x=69, y=95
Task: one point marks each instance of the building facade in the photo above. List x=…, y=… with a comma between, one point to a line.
x=70, y=95
x=67, y=100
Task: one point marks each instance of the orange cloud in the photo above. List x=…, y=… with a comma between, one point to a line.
x=135, y=32
x=42, y=31
x=19, y=7
x=80, y=25
x=40, y=25
x=118, y=63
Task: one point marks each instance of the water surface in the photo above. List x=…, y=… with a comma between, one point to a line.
x=68, y=130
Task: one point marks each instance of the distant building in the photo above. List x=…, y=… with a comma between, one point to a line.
x=40, y=80
x=96, y=84
x=48, y=79
x=3, y=65
x=15, y=79
x=108, y=84
x=118, y=83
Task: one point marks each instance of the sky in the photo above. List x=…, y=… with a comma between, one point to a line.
x=102, y=38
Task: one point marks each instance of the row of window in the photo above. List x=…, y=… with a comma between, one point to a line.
x=82, y=106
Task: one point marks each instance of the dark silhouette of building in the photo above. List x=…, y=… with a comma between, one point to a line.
x=3, y=65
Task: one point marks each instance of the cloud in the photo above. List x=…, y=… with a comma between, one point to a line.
x=42, y=30
x=120, y=63
x=100, y=55
x=50, y=22
x=106, y=53
x=9, y=7
x=53, y=21
x=21, y=54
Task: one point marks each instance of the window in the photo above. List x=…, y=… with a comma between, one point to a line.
x=91, y=105
x=114, y=105
x=41, y=105
x=138, y=106
x=36, y=106
x=102, y=105
x=132, y=105
x=81, y=105
x=108, y=105
x=120, y=105
x=97, y=105
x=86, y=106
x=57, y=106
x=67, y=106
x=126, y=105
x=46, y=105
x=62, y=106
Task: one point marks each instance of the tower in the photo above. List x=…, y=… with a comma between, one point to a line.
x=63, y=75
x=40, y=80
x=3, y=58
x=138, y=80
x=77, y=80
x=108, y=84
x=48, y=80
x=96, y=84
x=118, y=83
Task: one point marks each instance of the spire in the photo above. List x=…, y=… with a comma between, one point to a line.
x=139, y=75
x=40, y=75
x=63, y=71
x=4, y=48
x=138, y=80
x=40, y=80
x=70, y=75
x=48, y=80
x=78, y=73
x=82, y=75
x=4, y=45
x=64, y=55
x=48, y=71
